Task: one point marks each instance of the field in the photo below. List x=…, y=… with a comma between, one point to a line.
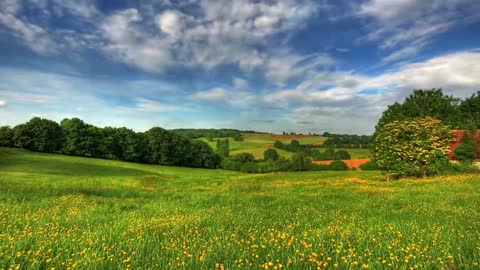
x=76, y=213
x=256, y=144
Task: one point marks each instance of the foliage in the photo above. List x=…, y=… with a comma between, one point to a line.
x=423, y=103
x=410, y=147
x=467, y=150
x=338, y=165
x=223, y=148
x=279, y=145
x=244, y=157
x=270, y=154
x=330, y=154
x=6, y=136
x=300, y=162
x=75, y=137
x=342, y=155
x=370, y=166
x=348, y=141
x=212, y=133
x=38, y=134
x=469, y=111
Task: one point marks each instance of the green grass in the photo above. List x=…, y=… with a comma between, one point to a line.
x=59, y=211
x=355, y=153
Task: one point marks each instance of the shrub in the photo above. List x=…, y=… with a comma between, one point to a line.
x=369, y=166
x=300, y=162
x=244, y=157
x=329, y=154
x=279, y=145
x=270, y=154
x=409, y=147
x=466, y=152
x=342, y=154
x=338, y=165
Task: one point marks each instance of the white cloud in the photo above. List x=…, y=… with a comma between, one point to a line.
x=130, y=44
x=3, y=103
x=172, y=22
x=348, y=102
x=147, y=105
x=31, y=35
x=235, y=98
x=404, y=27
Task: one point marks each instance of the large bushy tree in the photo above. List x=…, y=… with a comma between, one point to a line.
x=81, y=139
x=412, y=146
x=423, y=103
x=6, y=136
x=38, y=134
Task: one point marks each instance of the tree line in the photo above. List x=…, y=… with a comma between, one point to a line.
x=75, y=137
x=192, y=133
x=348, y=141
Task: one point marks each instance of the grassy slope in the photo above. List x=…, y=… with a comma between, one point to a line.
x=59, y=211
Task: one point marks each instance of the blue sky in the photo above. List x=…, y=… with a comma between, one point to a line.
x=285, y=65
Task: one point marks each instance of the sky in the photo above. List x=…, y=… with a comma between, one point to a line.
x=273, y=66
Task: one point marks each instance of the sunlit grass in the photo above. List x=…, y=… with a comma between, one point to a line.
x=66, y=212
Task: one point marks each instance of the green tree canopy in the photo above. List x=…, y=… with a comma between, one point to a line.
x=270, y=154
x=423, y=103
x=39, y=134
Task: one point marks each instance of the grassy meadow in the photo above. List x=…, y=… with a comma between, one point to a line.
x=256, y=144
x=60, y=212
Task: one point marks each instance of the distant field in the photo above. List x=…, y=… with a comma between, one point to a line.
x=356, y=153
x=256, y=144
x=68, y=212
x=271, y=138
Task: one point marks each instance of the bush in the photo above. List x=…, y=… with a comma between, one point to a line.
x=270, y=154
x=338, y=165
x=279, y=145
x=466, y=152
x=369, y=166
x=244, y=157
x=341, y=155
x=409, y=147
x=300, y=162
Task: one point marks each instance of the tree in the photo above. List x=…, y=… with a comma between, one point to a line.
x=329, y=154
x=467, y=150
x=338, y=165
x=80, y=138
x=244, y=157
x=223, y=148
x=342, y=155
x=6, y=136
x=469, y=111
x=411, y=147
x=270, y=154
x=279, y=145
x=300, y=162
x=38, y=134
x=423, y=103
